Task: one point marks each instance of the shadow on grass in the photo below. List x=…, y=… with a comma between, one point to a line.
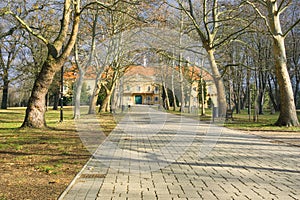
x=20, y=153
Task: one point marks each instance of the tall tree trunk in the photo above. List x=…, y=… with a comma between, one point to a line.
x=190, y=98
x=94, y=97
x=255, y=102
x=288, y=114
x=273, y=99
x=202, y=91
x=218, y=82
x=238, y=110
x=182, y=99
x=166, y=100
x=114, y=99
x=173, y=88
x=164, y=78
x=55, y=100
x=5, y=94
x=296, y=92
x=35, y=112
x=79, y=85
x=105, y=107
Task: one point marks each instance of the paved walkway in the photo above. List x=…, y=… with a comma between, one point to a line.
x=154, y=155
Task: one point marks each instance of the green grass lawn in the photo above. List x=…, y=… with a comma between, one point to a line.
x=38, y=163
x=242, y=121
x=265, y=122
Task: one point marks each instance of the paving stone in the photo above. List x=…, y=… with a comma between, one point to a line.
x=238, y=165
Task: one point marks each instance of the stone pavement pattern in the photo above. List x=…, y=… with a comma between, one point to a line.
x=185, y=159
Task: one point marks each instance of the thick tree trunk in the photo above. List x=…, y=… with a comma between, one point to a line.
x=78, y=94
x=55, y=100
x=105, y=107
x=288, y=114
x=5, y=94
x=261, y=100
x=94, y=98
x=35, y=112
x=296, y=91
x=219, y=83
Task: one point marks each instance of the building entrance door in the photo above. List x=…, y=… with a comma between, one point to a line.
x=138, y=99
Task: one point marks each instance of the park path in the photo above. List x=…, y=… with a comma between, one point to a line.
x=154, y=155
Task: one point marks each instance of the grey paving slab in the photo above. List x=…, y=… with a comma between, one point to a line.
x=154, y=155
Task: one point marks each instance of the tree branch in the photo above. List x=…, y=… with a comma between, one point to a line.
x=25, y=25
x=236, y=33
x=282, y=8
x=215, y=16
x=192, y=17
x=75, y=29
x=260, y=14
x=291, y=27
x=205, y=20
x=101, y=4
x=63, y=32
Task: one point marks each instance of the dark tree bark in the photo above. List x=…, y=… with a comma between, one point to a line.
x=5, y=68
x=35, y=112
x=55, y=101
x=94, y=98
x=5, y=94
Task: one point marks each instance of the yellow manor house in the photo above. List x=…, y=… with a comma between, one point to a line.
x=143, y=85
x=140, y=85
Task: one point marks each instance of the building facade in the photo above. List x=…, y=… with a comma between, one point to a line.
x=140, y=85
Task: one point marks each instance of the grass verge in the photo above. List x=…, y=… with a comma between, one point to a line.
x=40, y=163
x=264, y=122
x=245, y=122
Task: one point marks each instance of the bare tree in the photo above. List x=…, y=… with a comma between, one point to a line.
x=293, y=54
x=270, y=11
x=87, y=55
x=35, y=113
x=211, y=21
x=9, y=49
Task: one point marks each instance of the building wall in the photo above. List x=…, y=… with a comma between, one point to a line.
x=139, y=89
x=143, y=82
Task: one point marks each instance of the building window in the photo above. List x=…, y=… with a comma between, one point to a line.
x=138, y=88
x=149, y=88
x=156, y=88
x=128, y=88
x=156, y=99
